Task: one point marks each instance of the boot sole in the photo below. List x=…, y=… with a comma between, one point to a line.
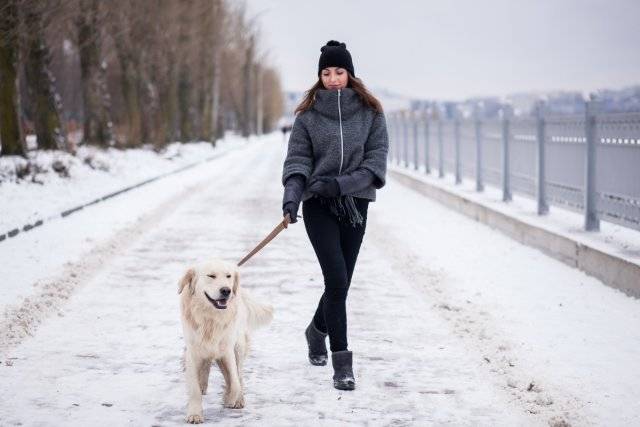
x=346, y=387
x=318, y=363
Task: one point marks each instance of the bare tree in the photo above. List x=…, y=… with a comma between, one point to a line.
x=259, y=91
x=272, y=100
x=10, y=130
x=210, y=34
x=41, y=84
x=132, y=71
x=247, y=86
x=95, y=97
x=128, y=24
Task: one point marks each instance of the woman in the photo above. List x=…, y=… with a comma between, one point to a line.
x=336, y=159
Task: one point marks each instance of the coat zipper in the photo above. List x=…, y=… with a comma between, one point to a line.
x=341, y=138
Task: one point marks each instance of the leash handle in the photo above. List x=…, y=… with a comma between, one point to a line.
x=281, y=226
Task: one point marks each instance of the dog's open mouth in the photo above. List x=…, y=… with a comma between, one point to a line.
x=217, y=303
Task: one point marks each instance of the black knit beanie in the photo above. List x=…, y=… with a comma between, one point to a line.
x=335, y=54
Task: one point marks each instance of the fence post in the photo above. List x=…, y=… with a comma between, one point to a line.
x=399, y=148
x=391, y=132
x=427, y=166
x=398, y=137
x=415, y=117
x=440, y=146
x=396, y=131
x=543, y=207
x=591, y=221
x=507, y=116
x=456, y=134
x=405, y=135
x=477, y=113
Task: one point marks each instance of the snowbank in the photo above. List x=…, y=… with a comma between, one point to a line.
x=48, y=182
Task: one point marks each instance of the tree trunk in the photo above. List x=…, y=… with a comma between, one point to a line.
x=204, y=106
x=247, y=71
x=97, y=120
x=129, y=70
x=217, y=129
x=184, y=104
x=185, y=73
x=148, y=109
x=259, y=100
x=166, y=120
x=11, y=136
x=43, y=96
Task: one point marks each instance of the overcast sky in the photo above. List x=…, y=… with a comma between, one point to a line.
x=455, y=49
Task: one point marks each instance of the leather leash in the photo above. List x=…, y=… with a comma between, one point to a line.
x=281, y=226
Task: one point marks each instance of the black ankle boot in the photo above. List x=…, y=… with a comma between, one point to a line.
x=317, y=346
x=342, y=370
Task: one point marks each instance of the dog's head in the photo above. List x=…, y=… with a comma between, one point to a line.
x=214, y=282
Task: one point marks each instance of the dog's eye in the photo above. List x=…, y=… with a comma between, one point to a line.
x=213, y=276
x=228, y=275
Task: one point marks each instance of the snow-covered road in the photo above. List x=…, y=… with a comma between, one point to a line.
x=450, y=322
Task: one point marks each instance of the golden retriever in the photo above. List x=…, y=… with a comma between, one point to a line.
x=217, y=317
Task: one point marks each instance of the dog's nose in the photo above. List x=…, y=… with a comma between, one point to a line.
x=225, y=292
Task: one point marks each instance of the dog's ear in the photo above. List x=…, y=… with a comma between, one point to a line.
x=236, y=280
x=188, y=279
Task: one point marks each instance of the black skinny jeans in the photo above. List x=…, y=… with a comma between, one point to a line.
x=336, y=244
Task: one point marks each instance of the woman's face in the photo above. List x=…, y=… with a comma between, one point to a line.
x=334, y=78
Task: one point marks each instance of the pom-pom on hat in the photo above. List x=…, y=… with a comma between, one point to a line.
x=335, y=54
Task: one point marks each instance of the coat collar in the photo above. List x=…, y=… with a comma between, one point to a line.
x=326, y=102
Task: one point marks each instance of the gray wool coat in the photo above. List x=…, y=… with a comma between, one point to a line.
x=338, y=137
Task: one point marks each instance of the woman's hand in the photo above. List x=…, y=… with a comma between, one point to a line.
x=291, y=208
x=325, y=186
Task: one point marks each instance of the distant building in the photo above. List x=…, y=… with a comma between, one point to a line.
x=523, y=103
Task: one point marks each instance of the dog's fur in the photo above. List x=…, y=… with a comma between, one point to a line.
x=213, y=333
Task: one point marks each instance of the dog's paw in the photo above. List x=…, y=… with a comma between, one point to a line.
x=195, y=419
x=237, y=403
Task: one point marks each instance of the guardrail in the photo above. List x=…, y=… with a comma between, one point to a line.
x=589, y=162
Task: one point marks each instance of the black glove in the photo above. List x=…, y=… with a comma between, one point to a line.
x=291, y=208
x=325, y=187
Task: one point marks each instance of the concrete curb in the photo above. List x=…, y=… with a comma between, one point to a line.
x=611, y=270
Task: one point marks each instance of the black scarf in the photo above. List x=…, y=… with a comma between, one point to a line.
x=344, y=208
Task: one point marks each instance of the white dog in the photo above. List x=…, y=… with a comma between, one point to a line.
x=217, y=318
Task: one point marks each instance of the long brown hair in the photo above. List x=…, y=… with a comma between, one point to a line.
x=353, y=82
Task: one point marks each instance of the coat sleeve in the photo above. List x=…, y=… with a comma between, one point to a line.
x=293, y=189
x=299, y=159
x=376, y=149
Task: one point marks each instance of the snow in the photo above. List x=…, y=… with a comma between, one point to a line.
x=560, y=328
x=40, y=246
x=93, y=173
x=614, y=239
x=450, y=321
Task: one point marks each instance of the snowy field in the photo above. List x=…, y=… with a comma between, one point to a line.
x=451, y=323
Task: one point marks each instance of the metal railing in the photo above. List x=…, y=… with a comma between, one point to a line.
x=588, y=163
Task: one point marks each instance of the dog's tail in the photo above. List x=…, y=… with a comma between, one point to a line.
x=257, y=314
